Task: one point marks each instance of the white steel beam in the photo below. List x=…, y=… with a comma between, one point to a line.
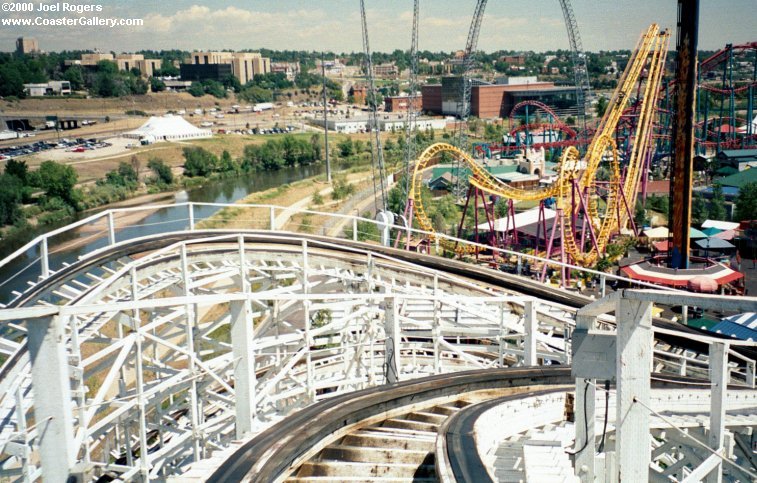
x=52, y=400
x=634, y=360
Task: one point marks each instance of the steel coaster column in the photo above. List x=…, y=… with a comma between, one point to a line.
x=52, y=398
x=392, y=330
x=530, y=326
x=719, y=379
x=633, y=365
x=190, y=312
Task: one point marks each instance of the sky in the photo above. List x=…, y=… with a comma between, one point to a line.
x=334, y=25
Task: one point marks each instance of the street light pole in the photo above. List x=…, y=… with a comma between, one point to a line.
x=325, y=119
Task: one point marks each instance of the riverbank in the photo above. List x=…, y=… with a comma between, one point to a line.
x=312, y=193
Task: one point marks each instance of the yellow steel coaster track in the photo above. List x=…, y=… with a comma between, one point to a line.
x=575, y=175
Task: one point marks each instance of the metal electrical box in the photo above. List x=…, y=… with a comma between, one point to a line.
x=594, y=354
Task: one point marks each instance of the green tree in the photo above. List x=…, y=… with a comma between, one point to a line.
x=699, y=211
x=11, y=81
x=256, y=94
x=196, y=89
x=10, y=199
x=717, y=203
x=157, y=85
x=162, y=170
x=346, y=147
x=198, y=162
x=75, y=75
x=746, y=202
x=640, y=214
x=17, y=168
x=59, y=180
x=601, y=106
x=226, y=164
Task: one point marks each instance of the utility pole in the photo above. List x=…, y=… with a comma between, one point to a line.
x=325, y=120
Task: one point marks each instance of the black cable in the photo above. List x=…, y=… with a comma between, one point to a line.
x=586, y=424
x=601, y=447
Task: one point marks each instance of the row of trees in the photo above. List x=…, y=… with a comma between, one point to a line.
x=270, y=156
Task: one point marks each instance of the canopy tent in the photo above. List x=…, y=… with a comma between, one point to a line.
x=656, y=233
x=726, y=235
x=702, y=284
x=734, y=330
x=168, y=128
x=710, y=231
x=742, y=326
x=661, y=246
x=745, y=127
x=522, y=220
x=747, y=319
x=713, y=243
x=721, y=225
x=670, y=277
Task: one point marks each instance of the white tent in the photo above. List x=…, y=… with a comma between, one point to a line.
x=655, y=233
x=522, y=219
x=720, y=225
x=745, y=127
x=168, y=128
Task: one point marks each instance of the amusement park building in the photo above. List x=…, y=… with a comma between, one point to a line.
x=495, y=100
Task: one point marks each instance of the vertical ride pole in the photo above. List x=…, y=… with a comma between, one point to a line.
x=683, y=130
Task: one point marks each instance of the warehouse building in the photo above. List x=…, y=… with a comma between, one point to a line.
x=496, y=100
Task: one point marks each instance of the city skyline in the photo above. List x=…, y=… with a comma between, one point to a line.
x=335, y=26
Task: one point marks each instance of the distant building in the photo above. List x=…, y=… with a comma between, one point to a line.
x=52, y=88
x=26, y=46
x=496, y=100
x=386, y=70
x=91, y=60
x=359, y=94
x=203, y=72
x=344, y=125
x=518, y=59
x=290, y=69
x=177, y=85
x=244, y=65
x=146, y=67
x=402, y=103
x=125, y=62
x=331, y=67
x=352, y=125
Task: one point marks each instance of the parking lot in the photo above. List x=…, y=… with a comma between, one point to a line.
x=65, y=145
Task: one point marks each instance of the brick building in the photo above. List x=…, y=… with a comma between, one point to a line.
x=494, y=100
x=402, y=103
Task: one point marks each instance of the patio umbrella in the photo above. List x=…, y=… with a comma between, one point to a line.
x=725, y=235
x=694, y=233
x=703, y=284
x=713, y=243
x=710, y=231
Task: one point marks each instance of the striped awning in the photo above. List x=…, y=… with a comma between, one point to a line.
x=670, y=277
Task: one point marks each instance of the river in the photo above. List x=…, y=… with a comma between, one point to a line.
x=16, y=275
